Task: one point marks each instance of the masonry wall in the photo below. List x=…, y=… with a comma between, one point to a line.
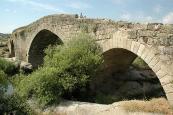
x=155, y=36
x=66, y=26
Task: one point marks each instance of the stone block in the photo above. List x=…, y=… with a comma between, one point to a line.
x=140, y=50
x=166, y=79
x=153, y=61
x=132, y=46
x=128, y=45
x=168, y=88
x=145, y=53
x=161, y=73
x=145, y=33
x=157, y=66
x=132, y=34
x=150, y=56
x=136, y=47
x=170, y=97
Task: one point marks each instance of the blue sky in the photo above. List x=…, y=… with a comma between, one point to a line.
x=16, y=13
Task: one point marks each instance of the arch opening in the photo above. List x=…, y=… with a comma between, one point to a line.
x=11, y=48
x=41, y=41
x=125, y=76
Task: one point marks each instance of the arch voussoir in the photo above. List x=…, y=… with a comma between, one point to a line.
x=136, y=47
x=170, y=97
x=157, y=66
x=145, y=53
x=166, y=79
x=161, y=73
x=132, y=46
x=140, y=50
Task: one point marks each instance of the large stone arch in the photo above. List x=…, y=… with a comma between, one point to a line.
x=123, y=40
x=38, y=44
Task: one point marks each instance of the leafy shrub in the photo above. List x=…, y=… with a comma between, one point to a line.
x=66, y=68
x=3, y=84
x=11, y=103
x=15, y=103
x=8, y=67
x=41, y=84
x=77, y=61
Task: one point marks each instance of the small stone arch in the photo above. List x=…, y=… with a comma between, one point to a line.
x=122, y=40
x=40, y=42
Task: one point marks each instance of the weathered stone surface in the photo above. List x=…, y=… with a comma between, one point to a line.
x=84, y=108
x=153, y=38
x=26, y=67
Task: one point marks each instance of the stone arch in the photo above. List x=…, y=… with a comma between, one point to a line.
x=42, y=40
x=123, y=40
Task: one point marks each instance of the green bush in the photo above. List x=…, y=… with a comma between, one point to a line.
x=8, y=67
x=66, y=68
x=77, y=61
x=3, y=84
x=42, y=85
x=14, y=103
x=11, y=103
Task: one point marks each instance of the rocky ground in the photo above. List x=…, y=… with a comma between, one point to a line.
x=161, y=107
x=132, y=84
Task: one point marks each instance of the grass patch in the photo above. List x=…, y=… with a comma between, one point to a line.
x=159, y=105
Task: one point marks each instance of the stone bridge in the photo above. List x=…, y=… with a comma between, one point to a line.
x=121, y=41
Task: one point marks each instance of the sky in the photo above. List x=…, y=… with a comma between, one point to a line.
x=17, y=13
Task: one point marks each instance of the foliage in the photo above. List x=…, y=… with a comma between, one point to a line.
x=15, y=103
x=8, y=67
x=76, y=61
x=140, y=64
x=41, y=84
x=3, y=84
x=66, y=68
x=11, y=103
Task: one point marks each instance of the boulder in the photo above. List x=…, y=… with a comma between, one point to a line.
x=26, y=67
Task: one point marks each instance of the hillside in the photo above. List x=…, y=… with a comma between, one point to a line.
x=3, y=44
x=4, y=36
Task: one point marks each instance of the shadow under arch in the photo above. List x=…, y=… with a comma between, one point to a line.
x=123, y=38
x=120, y=80
x=41, y=41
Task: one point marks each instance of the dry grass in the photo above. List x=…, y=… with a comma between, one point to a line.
x=51, y=113
x=159, y=105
